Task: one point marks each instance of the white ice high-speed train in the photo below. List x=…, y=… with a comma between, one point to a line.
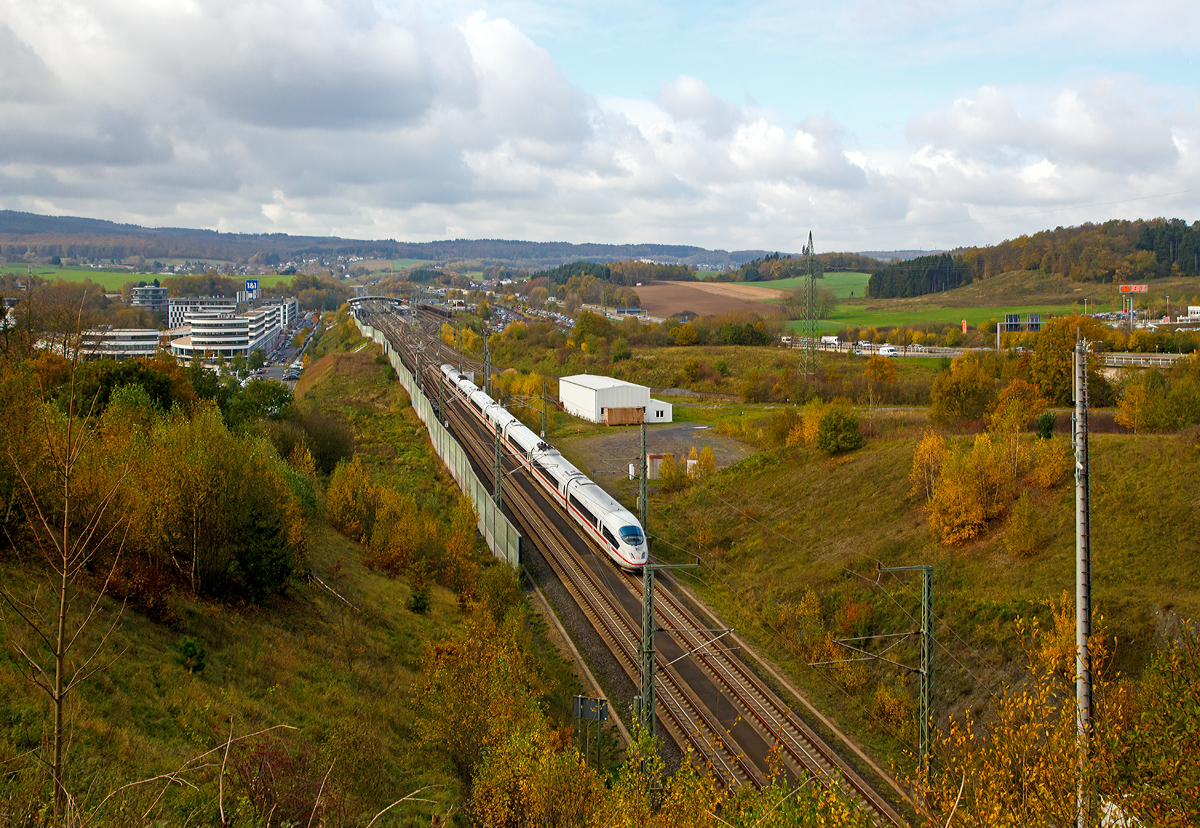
x=605, y=520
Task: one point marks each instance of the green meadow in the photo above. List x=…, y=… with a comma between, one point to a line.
x=843, y=285
x=400, y=264
x=860, y=316
x=110, y=280
x=115, y=280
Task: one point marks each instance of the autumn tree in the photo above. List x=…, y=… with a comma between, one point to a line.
x=973, y=488
x=1018, y=768
x=1019, y=404
x=927, y=465
x=684, y=334
x=962, y=393
x=880, y=372
x=460, y=571
x=671, y=475
x=69, y=495
x=1052, y=368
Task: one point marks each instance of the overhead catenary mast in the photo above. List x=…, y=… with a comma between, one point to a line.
x=1083, y=582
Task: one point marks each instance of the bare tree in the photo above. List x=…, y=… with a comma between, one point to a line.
x=67, y=506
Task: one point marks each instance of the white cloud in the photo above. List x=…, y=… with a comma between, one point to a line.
x=328, y=116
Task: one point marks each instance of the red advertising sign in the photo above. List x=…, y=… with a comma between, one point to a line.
x=1133, y=288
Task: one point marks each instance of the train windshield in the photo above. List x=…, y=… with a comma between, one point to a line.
x=631, y=535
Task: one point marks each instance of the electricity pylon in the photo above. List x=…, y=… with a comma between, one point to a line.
x=808, y=326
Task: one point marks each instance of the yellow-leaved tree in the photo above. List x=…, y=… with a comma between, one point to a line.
x=973, y=488
x=927, y=465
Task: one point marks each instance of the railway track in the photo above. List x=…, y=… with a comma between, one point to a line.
x=773, y=716
x=689, y=724
x=713, y=703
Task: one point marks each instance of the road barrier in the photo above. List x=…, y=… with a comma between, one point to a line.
x=501, y=536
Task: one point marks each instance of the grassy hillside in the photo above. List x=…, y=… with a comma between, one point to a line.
x=307, y=661
x=788, y=520
x=336, y=680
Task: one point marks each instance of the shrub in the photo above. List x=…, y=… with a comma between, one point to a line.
x=685, y=334
x=418, y=601
x=499, y=590
x=329, y=438
x=1045, y=424
x=838, y=432
x=782, y=424
x=191, y=654
x=756, y=388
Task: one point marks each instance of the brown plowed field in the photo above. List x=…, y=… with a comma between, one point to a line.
x=706, y=298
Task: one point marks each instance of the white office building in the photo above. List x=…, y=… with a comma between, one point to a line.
x=180, y=306
x=289, y=308
x=611, y=401
x=228, y=334
x=120, y=343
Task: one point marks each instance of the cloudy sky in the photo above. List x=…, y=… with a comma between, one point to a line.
x=876, y=124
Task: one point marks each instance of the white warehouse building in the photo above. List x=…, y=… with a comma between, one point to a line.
x=610, y=401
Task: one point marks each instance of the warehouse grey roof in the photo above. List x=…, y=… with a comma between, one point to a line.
x=597, y=383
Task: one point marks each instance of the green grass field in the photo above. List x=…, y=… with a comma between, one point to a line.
x=1014, y=292
x=400, y=264
x=860, y=316
x=114, y=280
x=273, y=279
x=111, y=281
x=843, y=285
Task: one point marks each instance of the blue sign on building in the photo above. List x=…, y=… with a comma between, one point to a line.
x=252, y=286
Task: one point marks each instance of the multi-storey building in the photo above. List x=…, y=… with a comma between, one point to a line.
x=215, y=334
x=148, y=296
x=289, y=308
x=180, y=306
x=120, y=343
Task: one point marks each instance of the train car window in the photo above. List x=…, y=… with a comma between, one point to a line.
x=477, y=404
x=542, y=470
x=632, y=535
x=585, y=511
x=608, y=537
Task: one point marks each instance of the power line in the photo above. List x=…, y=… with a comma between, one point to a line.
x=874, y=584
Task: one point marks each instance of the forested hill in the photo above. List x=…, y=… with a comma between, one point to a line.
x=1116, y=251
x=67, y=236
